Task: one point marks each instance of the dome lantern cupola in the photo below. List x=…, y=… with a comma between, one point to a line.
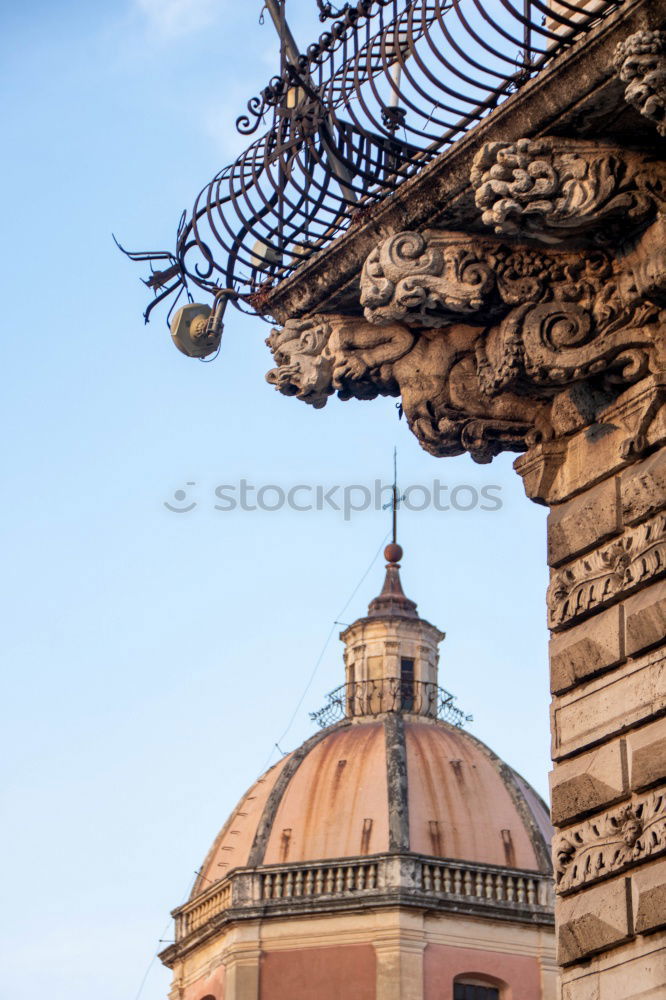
x=391, y=655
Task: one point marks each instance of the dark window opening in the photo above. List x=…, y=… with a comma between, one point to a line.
x=407, y=686
x=464, y=991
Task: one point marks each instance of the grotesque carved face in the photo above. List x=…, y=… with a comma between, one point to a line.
x=646, y=86
x=641, y=62
x=632, y=828
x=304, y=367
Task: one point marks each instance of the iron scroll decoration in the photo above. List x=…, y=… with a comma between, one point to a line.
x=388, y=86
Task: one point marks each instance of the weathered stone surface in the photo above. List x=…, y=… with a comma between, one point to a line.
x=588, y=783
x=640, y=62
x=609, y=705
x=492, y=346
x=554, y=471
x=552, y=188
x=648, y=888
x=325, y=354
x=622, y=838
x=632, y=560
x=643, y=489
x=647, y=263
x=585, y=650
x=593, y=921
x=582, y=989
x=646, y=755
x=633, y=971
x=583, y=522
x=645, y=619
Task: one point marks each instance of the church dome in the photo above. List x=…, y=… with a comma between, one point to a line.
x=390, y=853
x=344, y=794
x=391, y=775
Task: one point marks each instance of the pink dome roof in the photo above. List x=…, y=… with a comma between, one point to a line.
x=398, y=783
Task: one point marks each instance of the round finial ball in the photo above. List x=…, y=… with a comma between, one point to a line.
x=393, y=553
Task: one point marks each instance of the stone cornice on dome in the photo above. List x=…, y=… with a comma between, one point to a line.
x=391, y=879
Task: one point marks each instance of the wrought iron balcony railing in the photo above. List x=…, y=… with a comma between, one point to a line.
x=387, y=87
x=389, y=694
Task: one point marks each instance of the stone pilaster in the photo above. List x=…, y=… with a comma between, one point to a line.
x=242, y=973
x=399, y=951
x=607, y=615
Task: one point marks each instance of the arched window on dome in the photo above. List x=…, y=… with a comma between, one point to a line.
x=471, y=987
x=209, y=996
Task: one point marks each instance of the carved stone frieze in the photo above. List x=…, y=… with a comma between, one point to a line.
x=553, y=189
x=562, y=300
x=491, y=346
x=604, y=846
x=636, y=558
x=640, y=63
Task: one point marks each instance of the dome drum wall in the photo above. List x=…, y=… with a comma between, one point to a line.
x=384, y=953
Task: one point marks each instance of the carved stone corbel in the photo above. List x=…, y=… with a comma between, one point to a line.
x=323, y=354
x=436, y=376
x=640, y=63
x=553, y=189
x=492, y=346
x=550, y=318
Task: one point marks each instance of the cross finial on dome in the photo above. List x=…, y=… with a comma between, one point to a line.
x=392, y=600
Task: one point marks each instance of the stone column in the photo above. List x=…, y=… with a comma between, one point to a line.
x=607, y=615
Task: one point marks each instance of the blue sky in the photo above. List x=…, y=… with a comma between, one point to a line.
x=152, y=659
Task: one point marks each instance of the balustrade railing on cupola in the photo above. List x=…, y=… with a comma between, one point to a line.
x=520, y=893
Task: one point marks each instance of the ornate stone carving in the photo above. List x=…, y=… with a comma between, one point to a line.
x=437, y=278
x=323, y=354
x=447, y=409
x=492, y=347
x=441, y=394
x=637, y=557
x=640, y=63
x=623, y=837
x=432, y=279
x=553, y=189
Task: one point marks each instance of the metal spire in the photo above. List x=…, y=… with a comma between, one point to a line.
x=395, y=501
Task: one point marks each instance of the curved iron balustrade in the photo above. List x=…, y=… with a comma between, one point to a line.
x=389, y=694
x=386, y=88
